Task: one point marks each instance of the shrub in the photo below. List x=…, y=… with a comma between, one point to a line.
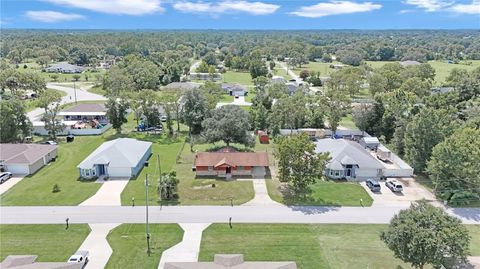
x=56, y=188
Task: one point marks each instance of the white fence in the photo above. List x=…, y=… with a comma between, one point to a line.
x=40, y=130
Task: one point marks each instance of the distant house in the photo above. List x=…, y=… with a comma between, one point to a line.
x=182, y=86
x=234, y=89
x=26, y=159
x=279, y=80
x=29, y=262
x=349, y=160
x=230, y=261
x=205, y=76
x=228, y=164
x=263, y=137
x=122, y=157
x=409, y=63
x=64, y=68
x=369, y=142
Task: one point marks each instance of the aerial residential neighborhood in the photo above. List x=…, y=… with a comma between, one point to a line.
x=239, y=134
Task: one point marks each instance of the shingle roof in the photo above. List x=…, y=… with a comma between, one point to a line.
x=182, y=86
x=65, y=67
x=231, y=158
x=121, y=152
x=28, y=262
x=86, y=108
x=24, y=153
x=347, y=152
x=230, y=261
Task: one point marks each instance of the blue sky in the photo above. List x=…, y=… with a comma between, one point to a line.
x=240, y=14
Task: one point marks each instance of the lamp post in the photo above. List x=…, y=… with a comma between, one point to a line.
x=146, y=217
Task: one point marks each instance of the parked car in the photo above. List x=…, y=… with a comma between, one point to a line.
x=373, y=185
x=394, y=185
x=164, y=118
x=5, y=176
x=237, y=96
x=50, y=142
x=80, y=257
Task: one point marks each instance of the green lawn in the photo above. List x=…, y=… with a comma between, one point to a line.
x=36, y=189
x=278, y=71
x=226, y=98
x=98, y=90
x=311, y=246
x=323, y=68
x=347, y=122
x=129, y=244
x=474, y=231
x=51, y=242
x=31, y=104
x=327, y=193
x=243, y=78
x=34, y=67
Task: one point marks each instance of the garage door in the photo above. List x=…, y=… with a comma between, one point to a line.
x=119, y=171
x=18, y=169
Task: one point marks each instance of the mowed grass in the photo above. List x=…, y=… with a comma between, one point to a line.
x=243, y=78
x=36, y=189
x=334, y=246
x=323, y=193
x=51, y=242
x=279, y=71
x=347, y=122
x=128, y=242
x=226, y=98
x=474, y=231
x=323, y=68
x=36, y=68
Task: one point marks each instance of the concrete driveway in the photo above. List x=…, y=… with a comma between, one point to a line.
x=412, y=191
x=108, y=194
x=5, y=186
x=240, y=101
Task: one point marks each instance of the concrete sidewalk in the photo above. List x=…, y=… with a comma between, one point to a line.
x=261, y=194
x=97, y=245
x=108, y=194
x=5, y=186
x=189, y=248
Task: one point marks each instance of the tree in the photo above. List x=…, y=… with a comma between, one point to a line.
x=337, y=103
x=202, y=68
x=350, y=57
x=425, y=130
x=54, y=77
x=76, y=77
x=50, y=102
x=424, y=234
x=149, y=103
x=362, y=115
x=304, y=74
x=194, y=111
x=299, y=165
x=117, y=112
x=167, y=186
x=258, y=69
x=453, y=167
x=230, y=124
x=212, y=92
x=15, y=123
x=170, y=103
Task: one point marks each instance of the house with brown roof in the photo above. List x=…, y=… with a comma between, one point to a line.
x=227, y=164
x=26, y=159
x=29, y=262
x=230, y=261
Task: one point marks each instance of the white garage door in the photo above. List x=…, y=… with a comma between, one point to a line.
x=18, y=169
x=119, y=171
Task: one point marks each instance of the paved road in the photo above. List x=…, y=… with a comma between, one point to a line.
x=81, y=92
x=212, y=214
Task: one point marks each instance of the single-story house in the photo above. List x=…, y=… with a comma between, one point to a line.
x=181, y=86
x=85, y=112
x=29, y=262
x=26, y=159
x=369, y=142
x=263, y=137
x=228, y=164
x=409, y=63
x=234, y=89
x=122, y=157
x=279, y=80
x=349, y=160
x=64, y=68
x=230, y=261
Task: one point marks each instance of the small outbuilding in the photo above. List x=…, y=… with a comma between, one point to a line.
x=369, y=142
x=122, y=157
x=263, y=137
x=26, y=159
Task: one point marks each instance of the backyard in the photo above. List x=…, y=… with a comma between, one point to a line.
x=312, y=246
x=129, y=249
x=88, y=75
x=51, y=242
x=243, y=78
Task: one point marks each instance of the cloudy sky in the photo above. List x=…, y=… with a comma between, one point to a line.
x=241, y=14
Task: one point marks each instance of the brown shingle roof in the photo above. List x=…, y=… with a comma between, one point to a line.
x=231, y=158
x=24, y=153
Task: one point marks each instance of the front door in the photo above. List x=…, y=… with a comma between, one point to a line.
x=228, y=170
x=101, y=170
x=349, y=172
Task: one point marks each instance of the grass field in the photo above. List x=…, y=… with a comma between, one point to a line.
x=97, y=90
x=36, y=189
x=311, y=246
x=325, y=193
x=243, y=78
x=51, y=242
x=347, y=122
x=34, y=67
x=129, y=246
x=226, y=99
x=31, y=104
x=323, y=68
x=278, y=71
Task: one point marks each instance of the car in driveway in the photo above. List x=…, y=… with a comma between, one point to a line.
x=373, y=185
x=394, y=185
x=80, y=257
x=4, y=176
x=50, y=142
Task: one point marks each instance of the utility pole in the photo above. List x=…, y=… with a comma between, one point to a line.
x=159, y=168
x=75, y=91
x=146, y=217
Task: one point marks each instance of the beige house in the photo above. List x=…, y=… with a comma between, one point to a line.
x=29, y=262
x=26, y=159
x=230, y=261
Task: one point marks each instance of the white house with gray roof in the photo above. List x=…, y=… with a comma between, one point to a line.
x=122, y=157
x=349, y=160
x=64, y=68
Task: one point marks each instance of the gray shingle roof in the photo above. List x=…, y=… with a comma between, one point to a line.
x=230, y=261
x=121, y=152
x=24, y=153
x=347, y=152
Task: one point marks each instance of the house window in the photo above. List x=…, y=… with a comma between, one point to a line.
x=331, y=173
x=337, y=173
x=240, y=168
x=87, y=172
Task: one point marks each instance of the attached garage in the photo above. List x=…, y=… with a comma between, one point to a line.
x=25, y=159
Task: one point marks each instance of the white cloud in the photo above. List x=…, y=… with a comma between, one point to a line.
x=335, y=8
x=52, y=16
x=429, y=5
x=125, y=7
x=230, y=6
x=405, y=11
x=472, y=8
